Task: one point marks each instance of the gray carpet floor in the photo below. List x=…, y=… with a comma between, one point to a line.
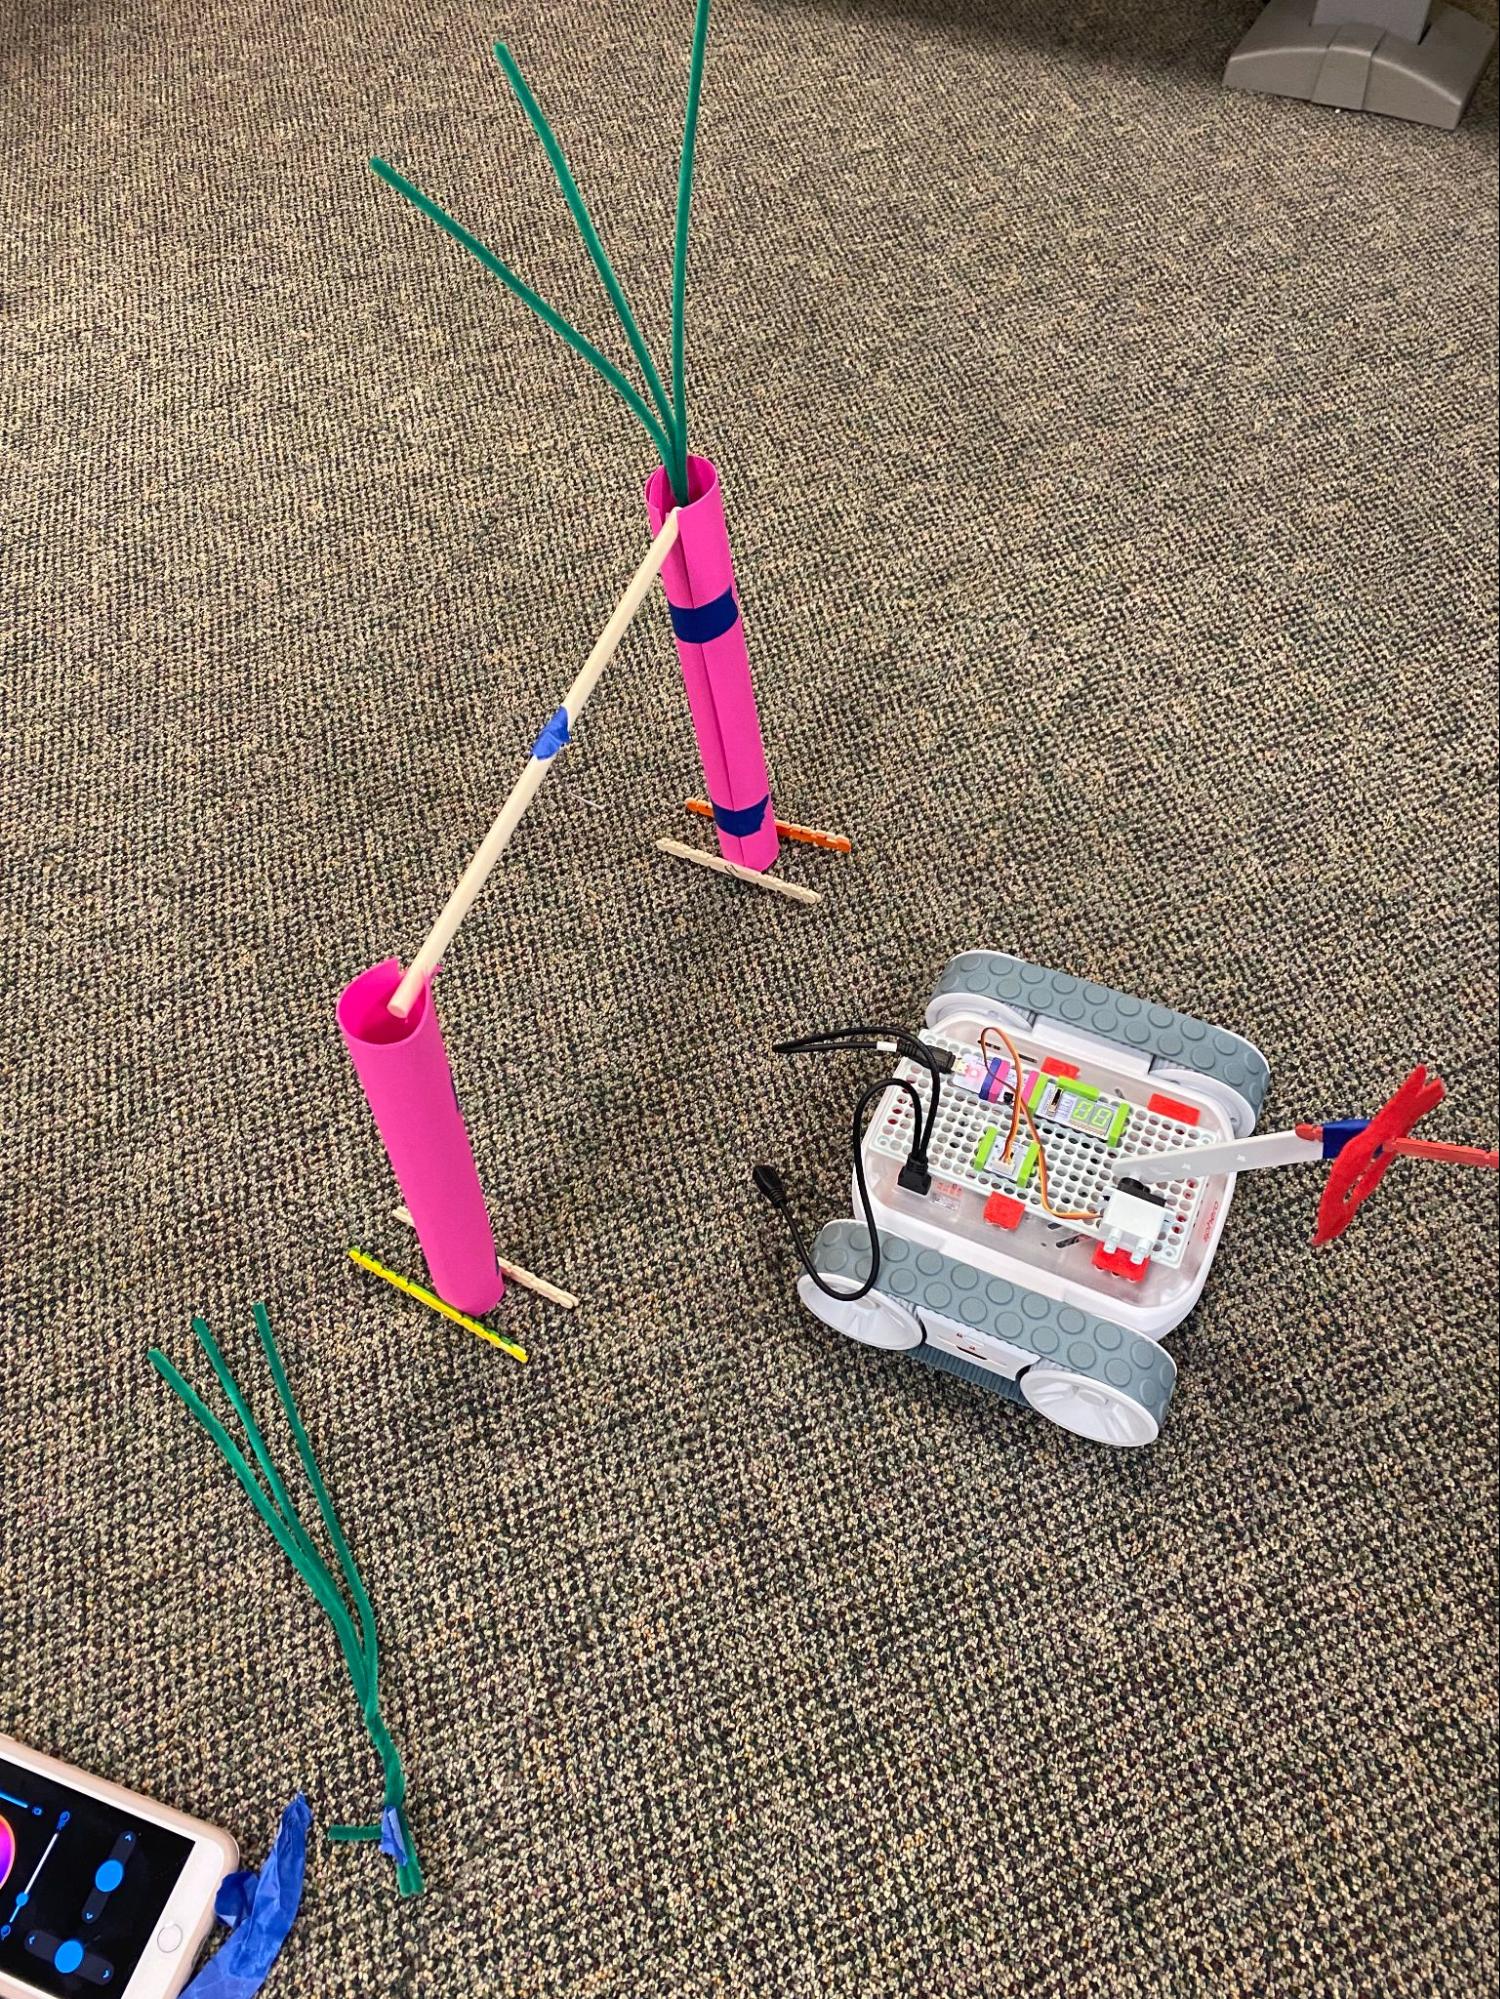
x=1110, y=464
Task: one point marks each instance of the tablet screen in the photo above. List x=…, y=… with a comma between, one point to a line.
x=82, y=1885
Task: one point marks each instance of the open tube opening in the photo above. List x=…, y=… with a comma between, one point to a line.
x=364, y=1010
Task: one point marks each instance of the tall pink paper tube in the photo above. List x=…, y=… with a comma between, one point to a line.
x=698, y=576
x=403, y=1067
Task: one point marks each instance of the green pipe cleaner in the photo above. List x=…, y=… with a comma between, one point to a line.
x=352, y=1618
x=666, y=426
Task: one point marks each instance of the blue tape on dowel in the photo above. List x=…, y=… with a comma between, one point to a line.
x=697, y=624
x=741, y=821
x=554, y=736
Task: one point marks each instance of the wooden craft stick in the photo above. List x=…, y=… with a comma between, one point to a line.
x=498, y=838
x=430, y=1298
x=528, y=1281
x=808, y=836
x=793, y=891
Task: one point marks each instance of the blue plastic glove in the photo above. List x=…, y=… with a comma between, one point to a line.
x=259, y=1910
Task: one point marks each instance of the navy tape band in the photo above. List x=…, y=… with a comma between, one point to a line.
x=697, y=624
x=741, y=821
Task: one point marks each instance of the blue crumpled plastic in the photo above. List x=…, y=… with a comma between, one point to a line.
x=259, y=1910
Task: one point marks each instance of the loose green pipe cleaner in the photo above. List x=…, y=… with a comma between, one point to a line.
x=666, y=426
x=680, y=239
x=353, y=1627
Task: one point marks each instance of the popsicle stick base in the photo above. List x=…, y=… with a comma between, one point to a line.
x=793, y=891
x=514, y=1274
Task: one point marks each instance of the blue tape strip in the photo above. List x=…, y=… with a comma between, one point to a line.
x=740, y=821
x=391, y=1841
x=697, y=624
x=1338, y=1132
x=554, y=736
x=259, y=1909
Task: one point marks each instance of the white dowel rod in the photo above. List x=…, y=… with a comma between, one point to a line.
x=498, y=838
x=527, y=1279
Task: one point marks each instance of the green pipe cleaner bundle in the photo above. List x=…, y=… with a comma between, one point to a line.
x=666, y=425
x=348, y=1608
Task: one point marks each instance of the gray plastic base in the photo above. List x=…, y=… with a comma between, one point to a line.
x=1170, y=1038
x=936, y=1286
x=969, y=1372
x=1361, y=66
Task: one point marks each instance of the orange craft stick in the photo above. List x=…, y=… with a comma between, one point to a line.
x=810, y=836
x=1452, y=1155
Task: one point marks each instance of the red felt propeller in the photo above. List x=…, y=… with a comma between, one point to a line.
x=1369, y=1156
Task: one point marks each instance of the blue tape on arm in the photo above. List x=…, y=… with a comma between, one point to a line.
x=1338, y=1134
x=698, y=623
x=260, y=1910
x=554, y=736
x=740, y=821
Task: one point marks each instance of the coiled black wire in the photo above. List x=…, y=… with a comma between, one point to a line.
x=861, y=1038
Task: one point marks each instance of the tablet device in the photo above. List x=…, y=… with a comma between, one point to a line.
x=101, y=1891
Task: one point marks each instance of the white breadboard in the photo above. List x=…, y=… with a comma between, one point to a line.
x=1080, y=1172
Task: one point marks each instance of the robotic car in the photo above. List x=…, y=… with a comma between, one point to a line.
x=1044, y=1182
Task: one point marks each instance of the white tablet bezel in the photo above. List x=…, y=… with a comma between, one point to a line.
x=189, y=1909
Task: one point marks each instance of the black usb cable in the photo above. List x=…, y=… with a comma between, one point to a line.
x=915, y=1175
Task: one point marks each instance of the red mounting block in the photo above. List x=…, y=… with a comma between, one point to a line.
x=1173, y=1107
x=1004, y=1213
x=1120, y=1263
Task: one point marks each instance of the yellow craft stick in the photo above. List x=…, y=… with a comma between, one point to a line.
x=425, y=1297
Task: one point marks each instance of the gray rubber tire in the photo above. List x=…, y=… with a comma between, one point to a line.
x=1065, y=1342
x=1109, y=1386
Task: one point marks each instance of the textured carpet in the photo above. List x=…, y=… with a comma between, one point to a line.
x=1110, y=464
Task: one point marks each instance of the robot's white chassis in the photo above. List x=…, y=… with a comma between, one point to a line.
x=1065, y=1317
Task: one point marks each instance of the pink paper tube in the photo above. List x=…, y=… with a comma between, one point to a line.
x=403, y=1067
x=698, y=577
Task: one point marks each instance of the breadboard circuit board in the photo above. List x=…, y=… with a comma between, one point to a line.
x=968, y=1144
